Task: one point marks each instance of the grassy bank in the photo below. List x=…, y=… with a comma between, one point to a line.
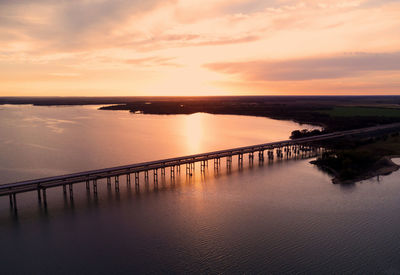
x=362, y=112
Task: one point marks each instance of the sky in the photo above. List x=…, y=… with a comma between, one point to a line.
x=199, y=47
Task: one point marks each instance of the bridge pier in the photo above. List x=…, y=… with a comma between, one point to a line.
x=279, y=153
x=162, y=171
x=95, y=186
x=44, y=197
x=261, y=155
x=116, y=182
x=15, y=201
x=136, y=178
x=217, y=163
x=172, y=171
x=39, y=195
x=155, y=175
x=229, y=161
x=240, y=159
x=87, y=185
x=146, y=175
x=270, y=154
x=108, y=181
x=71, y=192
x=202, y=166
x=128, y=179
x=251, y=157
x=189, y=168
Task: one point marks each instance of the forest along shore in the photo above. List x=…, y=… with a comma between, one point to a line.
x=332, y=113
x=351, y=160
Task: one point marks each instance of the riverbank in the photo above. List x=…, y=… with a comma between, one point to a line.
x=360, y=162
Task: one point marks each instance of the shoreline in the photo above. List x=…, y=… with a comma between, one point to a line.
x=313, y=110
x=385, y=166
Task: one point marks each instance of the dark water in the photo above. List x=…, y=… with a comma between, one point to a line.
x=284, y=217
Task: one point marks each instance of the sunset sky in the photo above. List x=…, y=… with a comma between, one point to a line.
x=199, y=47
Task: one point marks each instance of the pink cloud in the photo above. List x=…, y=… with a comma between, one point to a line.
x=309, y=68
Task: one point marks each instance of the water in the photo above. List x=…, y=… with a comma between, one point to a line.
x=284, y=217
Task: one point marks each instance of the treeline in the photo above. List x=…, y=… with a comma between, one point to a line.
x=306, y=133
x=350, y=158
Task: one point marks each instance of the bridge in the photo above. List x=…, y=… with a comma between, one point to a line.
x=278, y=149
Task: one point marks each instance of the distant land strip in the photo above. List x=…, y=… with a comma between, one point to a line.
x=334, y=113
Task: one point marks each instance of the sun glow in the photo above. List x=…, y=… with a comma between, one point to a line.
x=194, y=131
x=184, y=47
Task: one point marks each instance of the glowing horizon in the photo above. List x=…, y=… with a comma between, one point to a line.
x=199, y=48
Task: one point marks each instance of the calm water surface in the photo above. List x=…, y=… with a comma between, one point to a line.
x=281, y=217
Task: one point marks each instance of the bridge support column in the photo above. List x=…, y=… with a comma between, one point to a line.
x=108, y=181
x=15, y=201
x=146, y=175
x=136, y=178
x=251, y=157
x=270, y=154
x=87, y=185
x=95, y=186
x=116, y=179
x=162, y=171
x=172, y=172
x=240, y=159
x=44, y=197
x=279, y=153
x=39, y=195
x=155, y=175
x=71, y=192
x=128, y=179
x=229, y=161
x=217, y=163
x=202, y=166
x=261, y=155
x=190, y=168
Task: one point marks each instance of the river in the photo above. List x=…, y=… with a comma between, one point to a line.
x=281, y=217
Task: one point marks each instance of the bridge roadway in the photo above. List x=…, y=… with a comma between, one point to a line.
x=12, y=189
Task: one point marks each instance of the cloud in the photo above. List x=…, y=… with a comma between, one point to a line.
x=69, y=25
x=310, y=68
x=152, y=61
x=139, y=46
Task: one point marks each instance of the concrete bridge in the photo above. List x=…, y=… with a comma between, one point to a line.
x=277, y=149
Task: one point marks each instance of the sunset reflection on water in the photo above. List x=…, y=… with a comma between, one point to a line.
x=193, y=124
x=274, y=217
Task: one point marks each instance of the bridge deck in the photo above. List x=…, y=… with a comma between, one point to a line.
x=31, y=185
